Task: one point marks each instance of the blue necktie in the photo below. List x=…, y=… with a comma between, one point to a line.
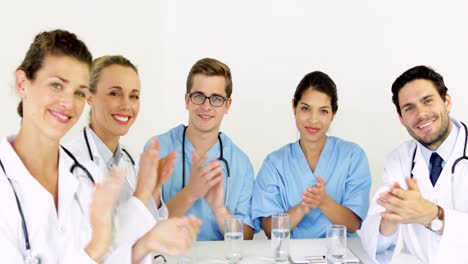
x=436, y=167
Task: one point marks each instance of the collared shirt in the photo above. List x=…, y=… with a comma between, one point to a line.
x=110, y=159
x=57, y=234
x=445, y=149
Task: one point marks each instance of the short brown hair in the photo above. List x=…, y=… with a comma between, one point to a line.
x=56, y=42
x=210, y=67
x=103, y=62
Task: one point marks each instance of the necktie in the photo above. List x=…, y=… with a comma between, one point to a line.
x=436, y=167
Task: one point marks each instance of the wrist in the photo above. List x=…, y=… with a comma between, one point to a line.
x=437, y=224
x=189, y=195
x=95, y=251
x=433, y=213
x=142, y=196
x=303, y=209
x=325, y=202
x=387, y=228
x=221, y=211
x=139, y=250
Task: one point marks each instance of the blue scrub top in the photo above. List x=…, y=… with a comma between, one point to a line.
x=285, y=174
x=240, y=183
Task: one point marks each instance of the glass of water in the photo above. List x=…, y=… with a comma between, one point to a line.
x=233, y=236
x=336, y=243
x=280, y=229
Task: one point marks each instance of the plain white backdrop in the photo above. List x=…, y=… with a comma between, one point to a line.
x=269, y=46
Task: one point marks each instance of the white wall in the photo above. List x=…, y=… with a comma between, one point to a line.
x=270, y=46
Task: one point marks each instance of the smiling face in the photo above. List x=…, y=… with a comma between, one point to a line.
x=313, y=115
x=54, y=100
x=206, y=118
x=424, y=113
x=116, y=103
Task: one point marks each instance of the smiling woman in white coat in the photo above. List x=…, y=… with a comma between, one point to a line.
x=42, y=202
x=51, y=212
x=115, y=103
x=422, y=209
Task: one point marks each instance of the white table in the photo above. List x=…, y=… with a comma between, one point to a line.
x=259, y=251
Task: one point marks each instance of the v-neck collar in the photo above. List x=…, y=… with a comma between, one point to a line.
x=323, y=159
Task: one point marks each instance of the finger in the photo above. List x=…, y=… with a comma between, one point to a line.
x=389, y=216
x=212, y=173
x=214, y=164
x=316, y=190
x=116, y=178
x=154, y=145
x=198, y=161
x=400, y=193
x=309, y=201
x=214, y=181
x=309, y=205
x=194, y=221
x=412, y=184
x=389, y=206
x=166, y=167
x=392, y=199
x=320, y=181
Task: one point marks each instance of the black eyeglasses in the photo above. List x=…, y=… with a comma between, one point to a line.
x=199, y=98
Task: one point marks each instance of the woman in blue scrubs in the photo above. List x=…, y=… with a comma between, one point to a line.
x=318, y=180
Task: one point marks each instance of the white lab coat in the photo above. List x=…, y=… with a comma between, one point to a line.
x=57, y=236
x=132, y=218
x=415, y=239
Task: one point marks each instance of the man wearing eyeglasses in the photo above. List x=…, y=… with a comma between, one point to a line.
x=212, y=177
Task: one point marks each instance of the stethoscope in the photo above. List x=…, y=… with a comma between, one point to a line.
x=463, y=157
x=91, y=157
x=29, y=257
x=220, y=158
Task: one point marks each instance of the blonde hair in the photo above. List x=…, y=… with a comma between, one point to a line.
x=103, y=62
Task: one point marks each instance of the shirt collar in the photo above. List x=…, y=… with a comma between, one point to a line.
x=105, y=153
x=446, y=148
x=14, y=167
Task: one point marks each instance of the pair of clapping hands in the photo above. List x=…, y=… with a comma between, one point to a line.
x=173, y=236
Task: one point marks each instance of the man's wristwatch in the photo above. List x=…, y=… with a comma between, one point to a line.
x=438, y=223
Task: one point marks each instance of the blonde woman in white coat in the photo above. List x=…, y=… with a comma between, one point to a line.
x=115, y=102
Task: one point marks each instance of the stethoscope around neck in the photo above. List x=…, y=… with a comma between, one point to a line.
x=220, y=158
x=91, y=157
x=454, y=165
x=29, y=257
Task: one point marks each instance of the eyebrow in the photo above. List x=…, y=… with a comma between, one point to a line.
x=120, y=88
x=214, y=94
x=422, y=99
x=60, y=78
x=67, y=81
x=321, y=107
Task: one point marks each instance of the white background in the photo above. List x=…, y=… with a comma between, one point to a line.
x=270, y=46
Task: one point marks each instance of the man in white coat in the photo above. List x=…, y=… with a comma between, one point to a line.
x=422, y=207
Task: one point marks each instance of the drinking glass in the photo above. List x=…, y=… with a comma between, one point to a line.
x=280, y=229
x=233, y=236
x=336, y=243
